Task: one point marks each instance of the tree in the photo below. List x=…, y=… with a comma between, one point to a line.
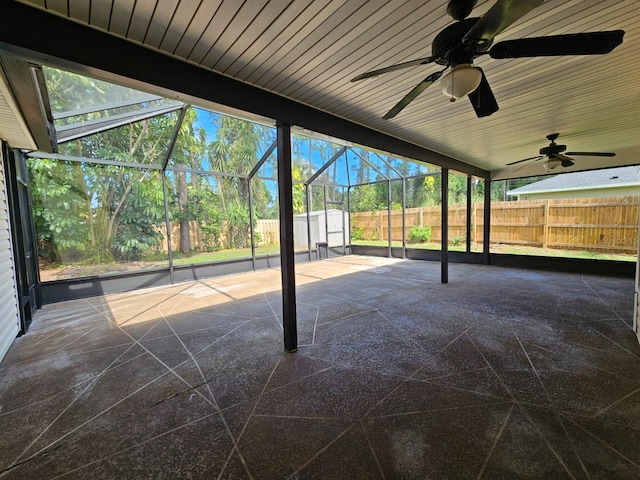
x=96, y=213
x=100, y=212
x=308, y=155
x=364, y=198
x=189, y=151
x=300, y=172
x=235, y=152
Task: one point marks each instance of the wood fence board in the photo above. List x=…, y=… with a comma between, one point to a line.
x=594, y=224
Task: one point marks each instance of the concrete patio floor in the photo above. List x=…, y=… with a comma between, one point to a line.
x=500, y=374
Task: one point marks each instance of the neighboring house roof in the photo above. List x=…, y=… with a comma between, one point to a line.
x=608, y=178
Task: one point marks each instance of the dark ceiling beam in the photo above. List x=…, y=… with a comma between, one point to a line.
x=53, y=40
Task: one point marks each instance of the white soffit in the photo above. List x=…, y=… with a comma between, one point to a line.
x=13, y=128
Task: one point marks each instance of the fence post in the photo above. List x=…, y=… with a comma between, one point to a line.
x=545, y=227
x=421, y=216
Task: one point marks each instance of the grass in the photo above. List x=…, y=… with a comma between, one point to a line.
x=59, y=272
x=75, y=270
x=230, y=254
x=510, y=249
x=552, y=252
x=425, y=246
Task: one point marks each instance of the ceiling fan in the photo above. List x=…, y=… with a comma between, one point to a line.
x=458, y=44
x=556, y=158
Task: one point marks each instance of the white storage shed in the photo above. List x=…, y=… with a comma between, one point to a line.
x=337, y=224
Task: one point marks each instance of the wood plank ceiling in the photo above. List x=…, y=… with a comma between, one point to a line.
x=309, y=50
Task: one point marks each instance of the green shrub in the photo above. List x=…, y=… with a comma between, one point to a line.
x=455, y=241
x=420, y=234
x=357, y=232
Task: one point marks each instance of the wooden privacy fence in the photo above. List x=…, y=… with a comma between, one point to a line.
x=268, y=230
x=267, y=233
x=593, y=224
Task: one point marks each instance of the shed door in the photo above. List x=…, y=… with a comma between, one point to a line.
x=9, y=318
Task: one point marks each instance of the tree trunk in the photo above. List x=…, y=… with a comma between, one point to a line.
x=87, y=198
x=221, y=193
x=181, y=182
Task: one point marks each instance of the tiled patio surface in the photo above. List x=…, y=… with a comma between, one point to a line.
x=501, y=374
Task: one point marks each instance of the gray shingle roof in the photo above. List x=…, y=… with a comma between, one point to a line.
x=608, y=178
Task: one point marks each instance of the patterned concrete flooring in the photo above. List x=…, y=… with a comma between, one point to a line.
x=501, y=374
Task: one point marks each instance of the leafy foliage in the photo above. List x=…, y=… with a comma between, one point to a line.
x=86, y=212
x=366, y=198
x=457, y=240
x=419, y=234
x=94, y=212
x=357, y=232
x=59, y=209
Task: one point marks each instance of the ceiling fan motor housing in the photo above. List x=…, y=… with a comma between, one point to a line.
x=448, y=49
x=459, y=9
x=552, y=149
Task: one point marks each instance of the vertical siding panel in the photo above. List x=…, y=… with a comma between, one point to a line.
x=9, y=318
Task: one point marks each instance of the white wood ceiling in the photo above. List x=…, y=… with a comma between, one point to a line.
x=308, y=50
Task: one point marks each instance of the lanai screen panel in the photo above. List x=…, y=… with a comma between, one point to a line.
x=82, y=105
x=144, y=142
x=92, y=218
x=217, y=163
x=213, y=142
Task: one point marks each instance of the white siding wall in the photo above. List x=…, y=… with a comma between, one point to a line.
x=9, y=319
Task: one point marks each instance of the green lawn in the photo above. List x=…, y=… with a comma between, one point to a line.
x=552, y=252
x=59, y=272
x=509, y=249
x=65, y=271
x=180, y=259
x=425, y=246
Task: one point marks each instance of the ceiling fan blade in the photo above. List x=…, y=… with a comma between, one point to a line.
x=566, y=161
x=413, y=94
x=538, y=157
x=500, y=16
x=533, y=160
x=392, y=68
x=592, y=154
x=482, y=98
x=590, y=43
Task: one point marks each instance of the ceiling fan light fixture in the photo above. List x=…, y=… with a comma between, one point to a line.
x=552, y=163
x=460, y=81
